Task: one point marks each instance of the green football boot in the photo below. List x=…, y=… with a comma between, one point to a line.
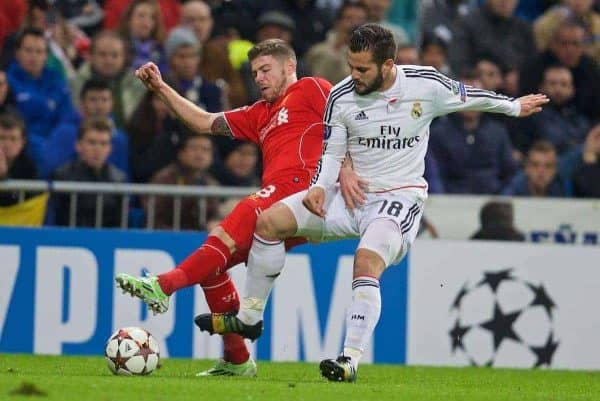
x=224, y=368
x=145, y=288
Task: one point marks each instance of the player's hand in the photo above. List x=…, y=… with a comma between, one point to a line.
x=150, y=75
x=532, y=104
x=314, y=201
x=591, y=147
x=353, y=188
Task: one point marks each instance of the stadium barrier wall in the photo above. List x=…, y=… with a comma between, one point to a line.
x=448, y=303
x=543, y=220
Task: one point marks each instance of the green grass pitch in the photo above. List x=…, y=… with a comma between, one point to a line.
x=27, y=377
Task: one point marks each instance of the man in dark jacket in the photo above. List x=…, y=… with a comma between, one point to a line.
x=567, y=48
x=93, y=147
x=493, y=30
x=473, y=152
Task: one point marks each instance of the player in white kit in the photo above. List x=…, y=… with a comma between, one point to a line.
x=379, y=117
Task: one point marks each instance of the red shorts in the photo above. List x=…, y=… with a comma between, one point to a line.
x=241, y=222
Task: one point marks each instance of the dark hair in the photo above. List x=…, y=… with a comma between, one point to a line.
x=9, y=120
x=496, y=214
x=95, y=124
x=376, y=39
x=469, y=74
x=431, y=39
x=542, y=146
x=185, y=135
x=350, y=4
x=93, y=84
x=554, y=66
x=105, y=34
x=30, y=31
x=272, y=47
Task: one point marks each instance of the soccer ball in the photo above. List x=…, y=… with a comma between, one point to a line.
x=131, y=351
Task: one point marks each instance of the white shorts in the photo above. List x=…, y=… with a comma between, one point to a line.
x=404, y=208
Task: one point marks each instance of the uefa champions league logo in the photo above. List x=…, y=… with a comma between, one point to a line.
x=502, y=320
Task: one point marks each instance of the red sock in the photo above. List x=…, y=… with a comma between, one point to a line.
x=211, y=258
x=221, y=296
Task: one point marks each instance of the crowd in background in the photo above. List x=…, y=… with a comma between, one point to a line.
x=72, y=109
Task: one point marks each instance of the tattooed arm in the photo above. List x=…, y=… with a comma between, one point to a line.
x=191, y=115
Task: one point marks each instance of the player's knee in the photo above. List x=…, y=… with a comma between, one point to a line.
x=368, y=263
x=274, y=224
x=382, y=238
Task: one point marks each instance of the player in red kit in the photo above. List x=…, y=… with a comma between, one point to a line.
x=287, y=124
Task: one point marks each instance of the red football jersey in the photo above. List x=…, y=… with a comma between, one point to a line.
x=289, y=131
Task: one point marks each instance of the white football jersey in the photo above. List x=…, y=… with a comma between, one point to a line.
x=386, y=133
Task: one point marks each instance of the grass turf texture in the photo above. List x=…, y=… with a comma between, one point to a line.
x=88, y=378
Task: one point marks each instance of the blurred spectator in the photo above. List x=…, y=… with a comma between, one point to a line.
x=153, y=138
x=439, y=16
x=559, y=122
x=404, y=13
x=183, y=54
x=115, y=9
x=378, y=10
x=328, y=59
x=239, y=165
x=491, y=78
x=491, y=29
x=579, y=10
x=214, y=63
x=7, y=100
x=96, y=101
x=14, y=161
x=586, y=179
x=41, y=16
x=434, y=52
x=566, y=48
x=311, y=22
x=540, y=176
x=142, y=28
x=489, y=74
x=497, y=223
x=93, y=147
x=108, y=63
x=194, y=158
x=11, y=17
x=407, y=54
x=43, y=98
x=473, y=151
x=86, y=15
x=271, y=25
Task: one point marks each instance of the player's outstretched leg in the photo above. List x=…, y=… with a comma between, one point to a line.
x=145, y=288
x=340, y=369
x=225, y=368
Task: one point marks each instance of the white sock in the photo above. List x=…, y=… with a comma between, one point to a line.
x=362, y=316
x=265, y=262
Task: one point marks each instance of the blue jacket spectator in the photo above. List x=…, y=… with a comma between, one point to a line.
x=96, y=101
x=474, y=160
x=60, y=147
x=540, y=176
x=41, y=95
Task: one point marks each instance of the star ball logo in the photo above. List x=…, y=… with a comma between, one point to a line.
x=502, y=320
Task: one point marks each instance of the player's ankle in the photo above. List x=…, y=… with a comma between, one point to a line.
x=250, y=317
